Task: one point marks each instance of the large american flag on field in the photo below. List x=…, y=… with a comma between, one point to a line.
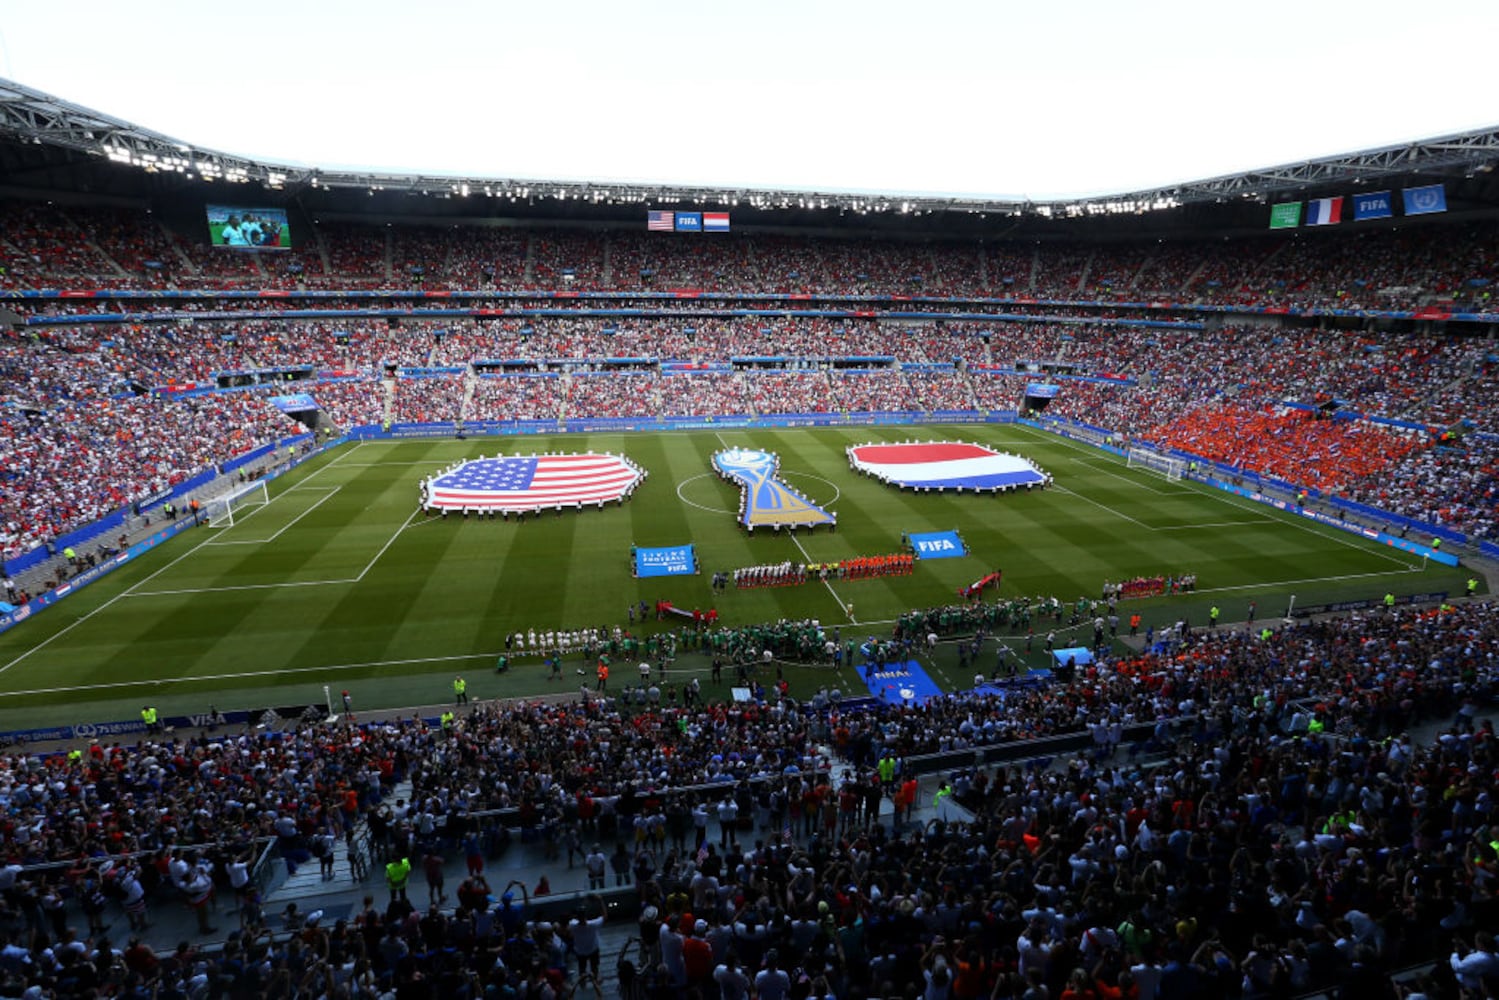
x=533, y=482
x=661, y=222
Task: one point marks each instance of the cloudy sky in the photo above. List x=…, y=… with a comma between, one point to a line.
x=1034, y=100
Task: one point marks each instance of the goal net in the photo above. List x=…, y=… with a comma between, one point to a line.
x=1144, y=458
x=222, y=510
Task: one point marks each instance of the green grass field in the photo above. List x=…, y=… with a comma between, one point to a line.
x=340, y=581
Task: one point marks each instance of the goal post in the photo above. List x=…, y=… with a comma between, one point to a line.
x=221, y=510
x=1166, y=465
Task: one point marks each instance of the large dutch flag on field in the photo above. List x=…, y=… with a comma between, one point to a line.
x=533, y=482
x=944, y=465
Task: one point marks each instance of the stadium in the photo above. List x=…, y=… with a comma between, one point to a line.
x=1074, y=594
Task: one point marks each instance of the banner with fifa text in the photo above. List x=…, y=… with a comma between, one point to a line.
x=671, y=560
x=938, y=545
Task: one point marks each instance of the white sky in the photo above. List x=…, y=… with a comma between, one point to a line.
x=1039, y=100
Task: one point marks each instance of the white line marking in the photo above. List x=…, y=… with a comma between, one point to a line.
x=257, y=673
x=1217, y=524
x=68, y=628
x=1297, y=521
x=242, y=586
x=328, y=495
x=826, y=583
x=388, y=542
x=693, y=503
x=1094, y=464
x=1104, y=506
x=142, y=582
x=1310, y=579
x=1261, y=509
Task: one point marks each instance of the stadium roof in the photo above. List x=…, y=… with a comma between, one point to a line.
x=31, y=117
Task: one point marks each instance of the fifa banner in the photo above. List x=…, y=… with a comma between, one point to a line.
x=1042, y=390
x=674, y=560
x=689, y=222
x=1374, y=205
x=938, y=545
x=1286, y=215
x=1425, y=200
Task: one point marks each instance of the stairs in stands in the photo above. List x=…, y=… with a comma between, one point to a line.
x=308, y=881
x=1087, y=272
x=1191, y=278
x=470, y=383
x=182, y=257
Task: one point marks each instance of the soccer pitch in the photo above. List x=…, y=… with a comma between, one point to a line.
x=342, y=581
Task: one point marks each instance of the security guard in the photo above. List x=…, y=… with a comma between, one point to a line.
x=1389, y=602
x=448, y=720
x=149, y=717
x=1213, y=616
x=1472, y=586
x=460, y=691
x=397, y=873
x=943, y=791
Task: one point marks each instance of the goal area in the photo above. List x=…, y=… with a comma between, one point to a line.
x=1165, y=465
x=240, y=501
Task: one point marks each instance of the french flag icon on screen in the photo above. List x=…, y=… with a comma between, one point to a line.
x=1324, y=211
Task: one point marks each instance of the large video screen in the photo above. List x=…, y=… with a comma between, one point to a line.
x=240, y=228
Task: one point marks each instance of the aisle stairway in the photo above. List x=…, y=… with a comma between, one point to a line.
x=308, y=882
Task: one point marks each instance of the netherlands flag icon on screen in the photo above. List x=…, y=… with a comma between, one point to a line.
x=1324, y=211
x=715, y=222
x=944, y=465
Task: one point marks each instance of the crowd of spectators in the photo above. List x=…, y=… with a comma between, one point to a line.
x=1222, y=393
x=53, y=246
x=516, y=397
x=71, y=464
x=704, y=395
x=1294, y=446
x=1286, y=833
x=870, y=391
x=790, y=392
x=1451, y=486
x=1169, y=385
x=431, y=399
x=356, y=402
x=623, y=395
